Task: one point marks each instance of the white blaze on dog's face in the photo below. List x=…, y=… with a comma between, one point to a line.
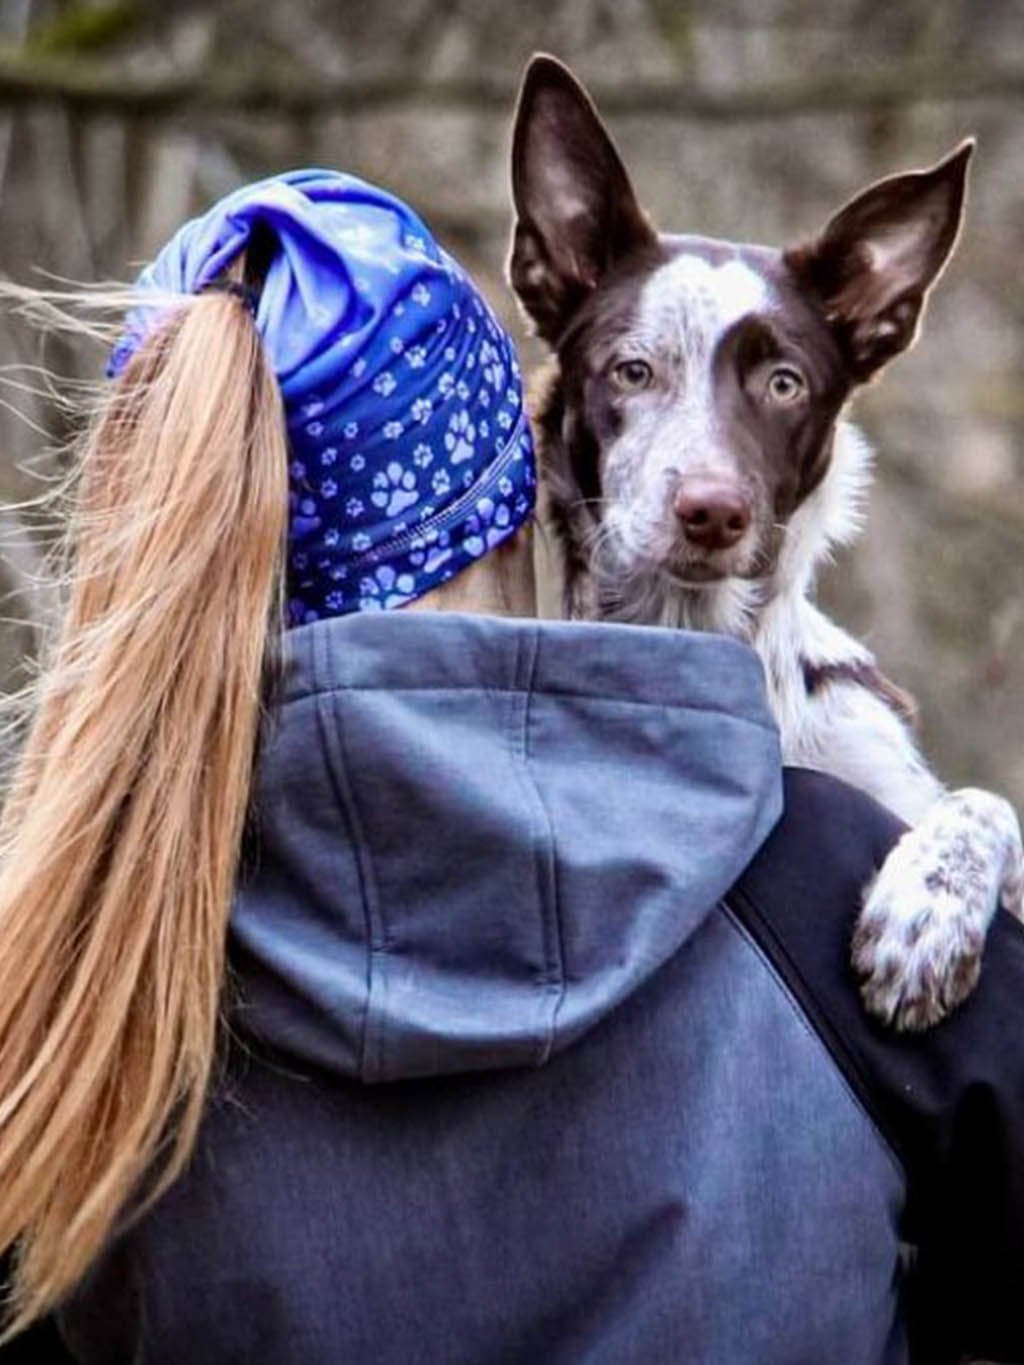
x=673, y=434
x=699, y=380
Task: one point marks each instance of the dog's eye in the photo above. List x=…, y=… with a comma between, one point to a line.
x=632, y=375
x=786, y=385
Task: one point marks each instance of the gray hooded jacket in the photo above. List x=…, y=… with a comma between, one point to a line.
x=545, y=1045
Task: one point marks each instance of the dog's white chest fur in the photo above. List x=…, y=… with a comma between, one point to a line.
x=845, y=730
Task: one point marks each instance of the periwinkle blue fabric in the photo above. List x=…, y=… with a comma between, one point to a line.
x=411, y=455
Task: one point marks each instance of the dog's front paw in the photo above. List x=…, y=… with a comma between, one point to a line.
x=916, y=951
x=918, y=943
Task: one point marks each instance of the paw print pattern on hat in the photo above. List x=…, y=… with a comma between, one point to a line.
x=411, y=455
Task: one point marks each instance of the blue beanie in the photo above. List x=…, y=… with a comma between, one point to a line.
x=410, y=450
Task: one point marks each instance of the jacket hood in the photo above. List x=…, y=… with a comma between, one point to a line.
x=472, y=837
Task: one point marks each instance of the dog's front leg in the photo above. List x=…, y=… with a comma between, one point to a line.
x=918, y=943
x=919, y=940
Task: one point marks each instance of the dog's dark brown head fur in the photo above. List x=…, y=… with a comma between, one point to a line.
x=699, y=382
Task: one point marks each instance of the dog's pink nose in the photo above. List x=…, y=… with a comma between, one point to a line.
x=714, y=512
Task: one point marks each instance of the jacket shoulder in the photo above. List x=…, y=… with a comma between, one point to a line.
x=831, y=837
x=950, y=1101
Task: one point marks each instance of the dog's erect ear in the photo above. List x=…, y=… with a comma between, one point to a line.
x=576, y=213
x=878, y=257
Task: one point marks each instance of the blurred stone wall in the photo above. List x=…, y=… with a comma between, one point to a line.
x=750, y=119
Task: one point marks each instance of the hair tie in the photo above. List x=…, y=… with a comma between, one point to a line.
x=244, y=292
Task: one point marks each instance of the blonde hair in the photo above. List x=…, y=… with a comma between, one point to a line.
x=120, y=837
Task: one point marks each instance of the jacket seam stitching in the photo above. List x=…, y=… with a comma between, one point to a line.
x=375, y=941
x=540, y=692
x=847, y=1070
x=555, y=946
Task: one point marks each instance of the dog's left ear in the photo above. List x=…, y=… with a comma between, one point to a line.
x=876, y=260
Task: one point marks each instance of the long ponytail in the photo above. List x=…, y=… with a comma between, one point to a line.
x=120, y=838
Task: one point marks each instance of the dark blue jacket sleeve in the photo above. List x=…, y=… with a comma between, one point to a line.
x=950, y=1101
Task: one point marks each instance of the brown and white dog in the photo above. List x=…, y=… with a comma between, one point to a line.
x=699, y=469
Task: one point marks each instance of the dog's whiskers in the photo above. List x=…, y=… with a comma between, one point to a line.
x=591, y=502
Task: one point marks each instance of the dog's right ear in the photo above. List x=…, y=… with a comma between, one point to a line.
x=576, y=213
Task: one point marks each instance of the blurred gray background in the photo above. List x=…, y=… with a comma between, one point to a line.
x=750, y=119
